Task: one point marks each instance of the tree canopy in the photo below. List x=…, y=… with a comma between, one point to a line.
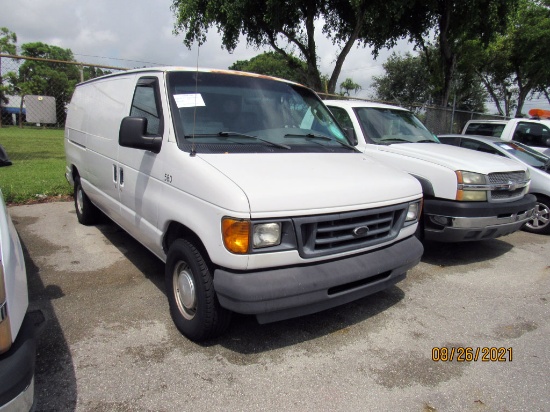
x=444, y=26
x=287, y=26
x=273, y=64
x=408, y=81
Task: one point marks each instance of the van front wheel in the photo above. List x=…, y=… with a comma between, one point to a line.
x=86, y=212
x=190, y=289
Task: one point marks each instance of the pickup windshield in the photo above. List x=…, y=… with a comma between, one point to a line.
x=388, y=126
x=224, y=112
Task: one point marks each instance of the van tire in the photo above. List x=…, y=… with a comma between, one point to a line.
x=194, y=306
x=86, y=212
x=541, y=221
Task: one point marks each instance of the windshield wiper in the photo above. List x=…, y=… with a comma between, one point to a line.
x=229, y=134
x=425, y=141
x=322, y=136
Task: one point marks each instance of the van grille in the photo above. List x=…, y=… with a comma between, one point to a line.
x=507, y=178
x=328, y=234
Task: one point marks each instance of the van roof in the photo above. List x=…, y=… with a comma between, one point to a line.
x=167, y=69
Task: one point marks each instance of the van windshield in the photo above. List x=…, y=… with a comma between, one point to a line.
x=388, y=126
x=223, y=112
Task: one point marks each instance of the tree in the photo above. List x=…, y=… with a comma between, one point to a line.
x=285, y=26
x=450, y=23
x=516, y=63
x=55, y=79
x=274, y=64
x=347, y=85
x=528, y=37
x=409, y=80
x=8, y=40
x=406, y=81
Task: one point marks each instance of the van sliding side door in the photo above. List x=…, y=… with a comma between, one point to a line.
x=139, y=186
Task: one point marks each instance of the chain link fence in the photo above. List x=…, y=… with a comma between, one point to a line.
x=35, y=92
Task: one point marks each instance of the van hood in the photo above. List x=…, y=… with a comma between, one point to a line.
x=296, y=183
x=453, y=157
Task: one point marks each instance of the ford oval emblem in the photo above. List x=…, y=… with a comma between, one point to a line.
x=361, y=231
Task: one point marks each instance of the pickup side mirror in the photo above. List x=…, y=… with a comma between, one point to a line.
x=133, y=133
x=350, y=134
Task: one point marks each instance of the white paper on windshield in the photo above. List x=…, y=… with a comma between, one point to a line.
x=188, y=100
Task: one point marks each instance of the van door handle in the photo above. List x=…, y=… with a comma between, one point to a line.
x=115, y=175
x=121, y=177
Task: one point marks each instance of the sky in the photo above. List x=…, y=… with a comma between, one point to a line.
x=137, y=33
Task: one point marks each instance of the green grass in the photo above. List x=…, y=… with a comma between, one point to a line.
x=38, y=169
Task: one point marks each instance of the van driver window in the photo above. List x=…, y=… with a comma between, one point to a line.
x=145, y=105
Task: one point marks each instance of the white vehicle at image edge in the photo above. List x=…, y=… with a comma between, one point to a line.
x=467, y=196
x=537, y=163
x=245, y=186
x=19, y=328
x=534, y=132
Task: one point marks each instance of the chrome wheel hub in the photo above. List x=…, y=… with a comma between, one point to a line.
x=184, y=290
x=541, y=217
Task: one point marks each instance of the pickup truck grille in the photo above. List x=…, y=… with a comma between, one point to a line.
x=514, y=178
x=329, y=234
x=505, y=177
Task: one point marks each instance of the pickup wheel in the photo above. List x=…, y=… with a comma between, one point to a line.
x=541, y=219
x=86, y=212
x=190, y=289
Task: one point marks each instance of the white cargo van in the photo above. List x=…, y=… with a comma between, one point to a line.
x=19, y=327
x=467, y=195
x=245, y=186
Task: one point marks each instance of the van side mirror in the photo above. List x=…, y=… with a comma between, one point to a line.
x=350, y=134
x=133, y=133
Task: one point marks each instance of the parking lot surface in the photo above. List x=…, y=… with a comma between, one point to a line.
x=110, y=345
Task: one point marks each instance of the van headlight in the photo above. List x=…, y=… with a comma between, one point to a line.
x=239, y=234
x=5, y=327
x=266, y=234
x=472, y=187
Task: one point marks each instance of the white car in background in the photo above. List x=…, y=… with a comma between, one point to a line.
x=538, y=164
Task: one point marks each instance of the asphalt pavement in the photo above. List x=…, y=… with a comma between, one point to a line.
x=110, y=345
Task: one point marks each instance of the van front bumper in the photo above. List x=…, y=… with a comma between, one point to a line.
x=17, y=366
x=283, y=293
x=452, y=221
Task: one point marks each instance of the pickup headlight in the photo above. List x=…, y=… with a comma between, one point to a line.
x=5, y=327
x=238, y=233
x=413, y=212
x=472, y=187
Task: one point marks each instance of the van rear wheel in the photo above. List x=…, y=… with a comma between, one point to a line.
x=190, y=289
x=86, y=212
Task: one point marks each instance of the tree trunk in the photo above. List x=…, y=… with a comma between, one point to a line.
x=448, y=57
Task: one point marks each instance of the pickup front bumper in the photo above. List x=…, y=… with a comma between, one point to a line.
x=452, y=221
